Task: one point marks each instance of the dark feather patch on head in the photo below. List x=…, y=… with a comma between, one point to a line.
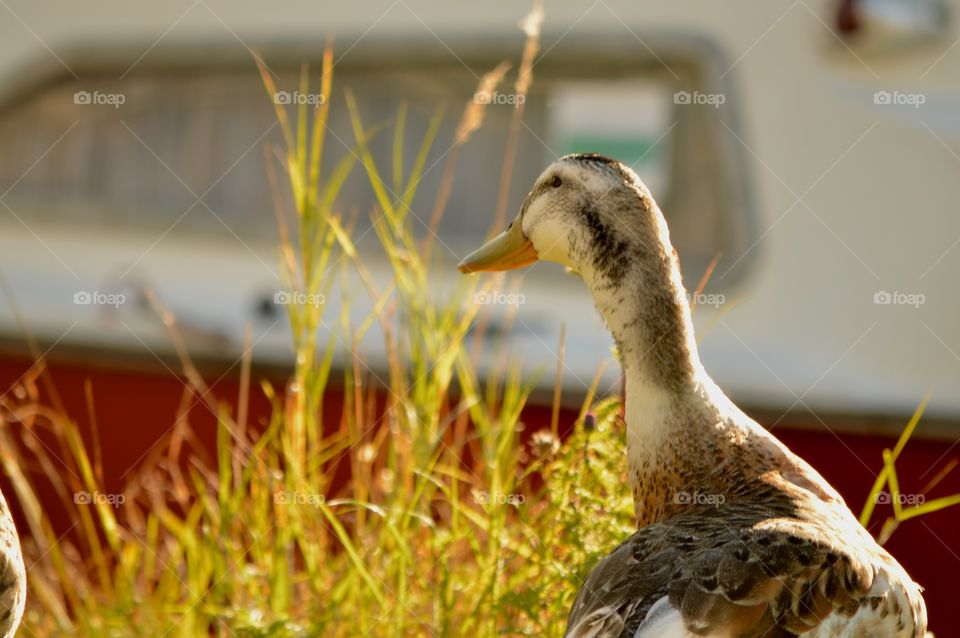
x=591, y=157
x=601, y=163
x=611, y=253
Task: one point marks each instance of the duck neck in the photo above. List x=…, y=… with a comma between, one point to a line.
x=669, y=397
x=647, y=312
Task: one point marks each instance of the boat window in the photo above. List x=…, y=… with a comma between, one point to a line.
x=175, y=150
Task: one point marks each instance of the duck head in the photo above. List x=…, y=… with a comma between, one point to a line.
x=594, y=215
x=587, y=212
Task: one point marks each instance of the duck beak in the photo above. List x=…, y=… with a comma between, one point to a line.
x=507, y=251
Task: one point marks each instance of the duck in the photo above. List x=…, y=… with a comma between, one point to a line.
x=737, y=536
x=13, y=577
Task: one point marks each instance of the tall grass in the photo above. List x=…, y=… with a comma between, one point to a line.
x=448, y=525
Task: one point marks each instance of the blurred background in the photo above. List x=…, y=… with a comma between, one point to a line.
x=807, y=152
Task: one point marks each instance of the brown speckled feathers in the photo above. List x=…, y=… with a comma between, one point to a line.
x=13, y=579
x=744, y=570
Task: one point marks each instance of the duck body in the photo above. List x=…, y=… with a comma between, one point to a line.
x=756, y=544
x=738, y=536
x=13, y=577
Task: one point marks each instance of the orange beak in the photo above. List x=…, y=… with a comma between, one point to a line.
x=507, y=251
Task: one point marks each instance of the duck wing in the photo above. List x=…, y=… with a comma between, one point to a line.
x=731, y=571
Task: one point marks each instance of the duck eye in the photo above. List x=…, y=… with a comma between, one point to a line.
x=556, y=181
